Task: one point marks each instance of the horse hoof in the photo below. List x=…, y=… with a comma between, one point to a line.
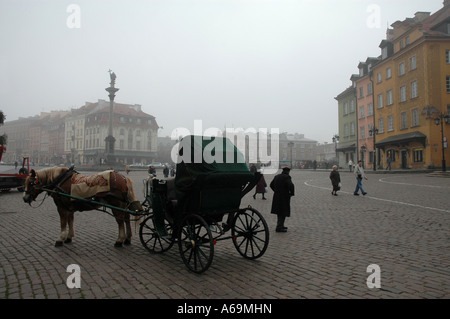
x=118, y=244
x=59, y=244
x=68, y=240
x=127, y=242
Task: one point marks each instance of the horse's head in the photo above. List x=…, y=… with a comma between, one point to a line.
x=32, y=187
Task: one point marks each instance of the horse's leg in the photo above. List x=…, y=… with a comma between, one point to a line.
x=70, y=216
x=63, y=221
x=128, y=229
x=120, y=222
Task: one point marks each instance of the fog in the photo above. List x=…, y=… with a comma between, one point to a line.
x=229, y=63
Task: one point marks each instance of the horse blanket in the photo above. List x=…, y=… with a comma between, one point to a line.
x=86, y=186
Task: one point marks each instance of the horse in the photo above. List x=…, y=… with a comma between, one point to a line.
x=108, y=187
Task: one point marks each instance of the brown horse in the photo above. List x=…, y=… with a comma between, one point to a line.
x=108, y=187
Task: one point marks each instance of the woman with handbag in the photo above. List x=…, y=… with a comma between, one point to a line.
x=335, y=180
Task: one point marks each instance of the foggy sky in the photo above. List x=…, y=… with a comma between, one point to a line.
x=230, y=63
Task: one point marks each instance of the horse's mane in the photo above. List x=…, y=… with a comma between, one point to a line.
x=49, y=175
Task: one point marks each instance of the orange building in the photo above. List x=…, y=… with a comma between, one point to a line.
x=411, y=86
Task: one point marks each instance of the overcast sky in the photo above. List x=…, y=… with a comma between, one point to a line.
x=230, y=63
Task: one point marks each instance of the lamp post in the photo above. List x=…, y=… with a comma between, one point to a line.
x=291, y=145
x=440, y=120
x=335, y=139
x=374, y=131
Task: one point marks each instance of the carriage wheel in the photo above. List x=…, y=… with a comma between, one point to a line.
x=151, y=239
x=250, y=233
x=196, y=243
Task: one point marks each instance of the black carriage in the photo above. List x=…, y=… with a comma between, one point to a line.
x=198, y=207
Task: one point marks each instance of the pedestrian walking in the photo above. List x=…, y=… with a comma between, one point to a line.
x=261, y=187
x=281, y=204
x=388, y=161
x=350, y=165
x=335, y=178
x=359, y=173
x=166, y=171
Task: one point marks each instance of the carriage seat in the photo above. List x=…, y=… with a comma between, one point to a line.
x=171, y=194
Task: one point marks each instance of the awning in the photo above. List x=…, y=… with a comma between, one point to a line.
x=402, y=139
x=346, y=147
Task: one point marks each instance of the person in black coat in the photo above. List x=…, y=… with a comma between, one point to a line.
x=335, y=180
x=283, y=189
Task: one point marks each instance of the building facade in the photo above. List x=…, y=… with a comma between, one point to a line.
x=411, y=88
x=347, y=147
x=365, y=113
x=135, y=131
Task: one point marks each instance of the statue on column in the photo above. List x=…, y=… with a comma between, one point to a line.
x=112, y=75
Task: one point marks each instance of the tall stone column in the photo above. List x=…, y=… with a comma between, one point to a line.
x=110, y=140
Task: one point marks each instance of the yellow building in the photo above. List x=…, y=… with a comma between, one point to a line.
x=411, y=89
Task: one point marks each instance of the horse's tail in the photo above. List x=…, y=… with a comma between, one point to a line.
x=133, y=203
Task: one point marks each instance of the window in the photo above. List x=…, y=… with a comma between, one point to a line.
x=404, y=121
x=403, y=94
x=361, y=112
x=415, y=117
x=388, y=73
x=414, y=90
x=447, y=56
x=418, y=155
x=380, y=100
x=390, y=123
x=362, y=131
x=352, y=128
x=389, y=99
x=378, y=77
x=448, y=84
x=345, y=108
x=345, y=130
x=401, y=68
x=369, y=88
x=380, y=125
x=412, y=63
x=361, y=92
x=352, y=106
x=370, y=109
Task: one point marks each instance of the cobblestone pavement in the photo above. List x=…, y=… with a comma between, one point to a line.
x=402, y=225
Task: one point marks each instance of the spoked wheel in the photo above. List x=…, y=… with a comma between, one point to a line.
x=250, y=233
x=196, y=243
x=151, y=238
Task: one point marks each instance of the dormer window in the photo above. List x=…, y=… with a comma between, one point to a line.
x=384, y=53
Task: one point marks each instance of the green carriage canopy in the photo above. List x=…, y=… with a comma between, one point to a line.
x=211, y=175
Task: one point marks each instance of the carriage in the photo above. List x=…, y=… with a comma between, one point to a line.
x=198, y=207
x=194, y=210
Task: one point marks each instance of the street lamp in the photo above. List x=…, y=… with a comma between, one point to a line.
x=291, y=145
x=374, y=131
x=335, y=139
x=440, y=120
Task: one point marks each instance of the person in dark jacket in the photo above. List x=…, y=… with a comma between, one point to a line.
x=283, y=189
x=260, y=187
x=335, y=180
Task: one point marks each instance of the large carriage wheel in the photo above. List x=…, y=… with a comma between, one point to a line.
x=151, y=239
x=196, y=243
x=250, y=233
